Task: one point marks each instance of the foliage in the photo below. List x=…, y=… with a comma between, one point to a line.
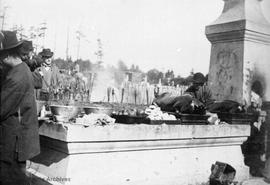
x=63, y=64
x=85, y=65
x=181, y=81
x=169, y=74
x=154, y=75
x=135, y=68
x=122, y=66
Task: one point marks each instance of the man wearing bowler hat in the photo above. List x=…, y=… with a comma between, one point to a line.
x=19, y=138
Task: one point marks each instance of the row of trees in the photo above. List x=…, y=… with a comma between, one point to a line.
x=154, y=76
x=168, y=78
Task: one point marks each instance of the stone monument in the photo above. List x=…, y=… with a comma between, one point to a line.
x=240, y=53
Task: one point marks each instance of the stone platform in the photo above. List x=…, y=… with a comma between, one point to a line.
x=137, y=154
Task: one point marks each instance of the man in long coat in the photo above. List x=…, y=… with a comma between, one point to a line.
x=19, y=138
x=50, y=75
x=27, y=56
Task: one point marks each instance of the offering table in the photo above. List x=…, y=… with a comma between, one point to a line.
x=136, y=154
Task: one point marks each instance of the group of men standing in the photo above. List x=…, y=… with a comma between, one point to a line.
x=20, y=75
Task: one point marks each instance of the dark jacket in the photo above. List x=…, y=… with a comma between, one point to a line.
x=201, y=93
x=172, y=103
x=18, y=115
x=227, y=106
x=37, y=79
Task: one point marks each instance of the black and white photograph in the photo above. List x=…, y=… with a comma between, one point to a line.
x=134, y=92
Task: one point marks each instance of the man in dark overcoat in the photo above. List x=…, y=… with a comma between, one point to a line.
x=19, y=138
x=33, y=62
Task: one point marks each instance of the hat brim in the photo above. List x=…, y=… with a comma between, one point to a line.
x=198, y=81
x=13, y=46
x=26, y=51
x=47, y=54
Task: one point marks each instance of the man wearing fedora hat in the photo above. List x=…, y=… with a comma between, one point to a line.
x=199, y=89
x=50, y=74
x=33, y=62
x=46, y=55
x=26, y=50
x=198, y=80
x=19, y=138
x=191, y=102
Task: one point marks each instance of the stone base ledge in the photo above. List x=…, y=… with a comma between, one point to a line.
x=139, y=132
x=120, y=146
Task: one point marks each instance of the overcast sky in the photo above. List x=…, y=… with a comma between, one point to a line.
x=162, y=34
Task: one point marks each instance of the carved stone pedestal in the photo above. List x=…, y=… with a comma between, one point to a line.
x=240, y=54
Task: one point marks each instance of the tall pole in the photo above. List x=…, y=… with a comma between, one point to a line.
x=79, y=43
x=43, y=45
x=3, y=17
x=78, y=49
x=3, y=20
x=67, y=47
x=55, y=36
x=43, y=28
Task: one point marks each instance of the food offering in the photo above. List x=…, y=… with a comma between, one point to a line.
x=129, y=114
x=105, y=113
x=154, y=113
x=95, y=119
x=144, y=115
